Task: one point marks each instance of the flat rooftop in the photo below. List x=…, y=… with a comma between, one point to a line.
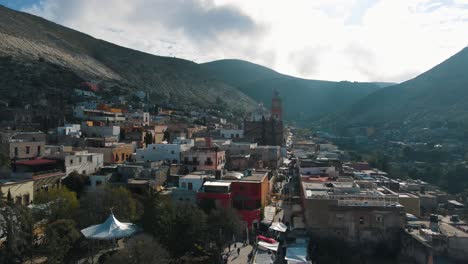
x=217, y=183
x=255, y=177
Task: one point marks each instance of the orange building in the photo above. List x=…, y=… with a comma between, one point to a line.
x=116, y=153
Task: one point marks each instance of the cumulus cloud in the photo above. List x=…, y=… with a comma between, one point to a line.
x=361, y=40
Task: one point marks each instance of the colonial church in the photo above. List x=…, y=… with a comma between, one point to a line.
x=266, y=128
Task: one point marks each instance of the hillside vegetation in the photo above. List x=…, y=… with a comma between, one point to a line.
x=35, y=44
x=304, y=100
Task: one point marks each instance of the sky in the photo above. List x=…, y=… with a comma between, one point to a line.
x=354, y=40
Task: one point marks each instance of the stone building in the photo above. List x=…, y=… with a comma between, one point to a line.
x=343, y=210
x=22, y=145
x=269, y=129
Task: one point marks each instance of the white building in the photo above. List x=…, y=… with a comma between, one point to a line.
x=97, y=181
x=101, y=131
x=231, y=133
x=193, y=181
x=80, y=161
x=140, y=117
x=73, y=130
x=98, y=115
x=164, y=152
x=330, y=171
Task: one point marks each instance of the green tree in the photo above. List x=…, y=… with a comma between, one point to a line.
x=16, y=224
x=75, y=182
x=60, y=237
x=149, y=139
x=4, y=161
x=141, y=251
x=222, y=225
x=96, y=206
x=61, y=203
x=170, y=222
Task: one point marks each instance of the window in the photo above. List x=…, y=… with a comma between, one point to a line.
x=28, y=149
x=172, y=152
x=378, y=219
x=83, y=172
x=26, y=199
x=38, y=150
x=361, y=220
x=183, y=185
x=123, y=156
x=208, y=161
x=339, y=217
x=190, y=186
x=90, y=158
x=18, y=199
x=79, y=160
x=71, y=161
x=16, y=151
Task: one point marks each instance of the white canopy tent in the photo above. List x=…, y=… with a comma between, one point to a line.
x=278, y=226
x=268, y=246
x=110, y=229
x=297, y=254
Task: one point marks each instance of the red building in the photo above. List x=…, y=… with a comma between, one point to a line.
x=215, y=194
x=247, y=195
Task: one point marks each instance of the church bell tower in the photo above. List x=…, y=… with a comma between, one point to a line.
x=276, y=107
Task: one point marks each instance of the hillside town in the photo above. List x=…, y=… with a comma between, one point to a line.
x=297, y=198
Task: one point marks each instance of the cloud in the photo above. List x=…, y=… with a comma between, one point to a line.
x=356, y=40
x=194, y=28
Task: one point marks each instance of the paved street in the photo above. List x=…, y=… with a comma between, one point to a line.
x=242, y=258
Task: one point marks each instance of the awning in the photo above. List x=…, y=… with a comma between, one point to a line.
x=266, y=239
x=110, y=229
x=277, y=226
x=268, y=246
x=411, y=217
x=296, y=253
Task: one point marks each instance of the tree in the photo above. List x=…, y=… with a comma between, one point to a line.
x=170, y=222
x=141, y=251
x=4, y=161
x=223, y=224
x=95, y=207
x=16, y=224
x=149, y=139
x=61, y=203
x=75, y=182
x=60, y=237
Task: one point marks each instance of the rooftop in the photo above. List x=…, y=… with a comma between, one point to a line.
x=217, y=183
x=35, y=162
x=255, y=177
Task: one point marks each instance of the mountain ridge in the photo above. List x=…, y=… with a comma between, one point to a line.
x=27, y=38
x=437, y=95
x=304, y=100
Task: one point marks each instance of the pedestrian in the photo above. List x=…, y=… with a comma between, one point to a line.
x=229, y=247
x=235, y=245
x=238, y=252
x=225, y=259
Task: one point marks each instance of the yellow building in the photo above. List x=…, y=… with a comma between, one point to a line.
x=20, y=190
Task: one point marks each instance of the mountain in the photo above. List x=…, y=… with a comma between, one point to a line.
x=439, y=95
x=40, y=60
x=303, y=100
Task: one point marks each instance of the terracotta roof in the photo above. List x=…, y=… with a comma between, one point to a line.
x=34, y=162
